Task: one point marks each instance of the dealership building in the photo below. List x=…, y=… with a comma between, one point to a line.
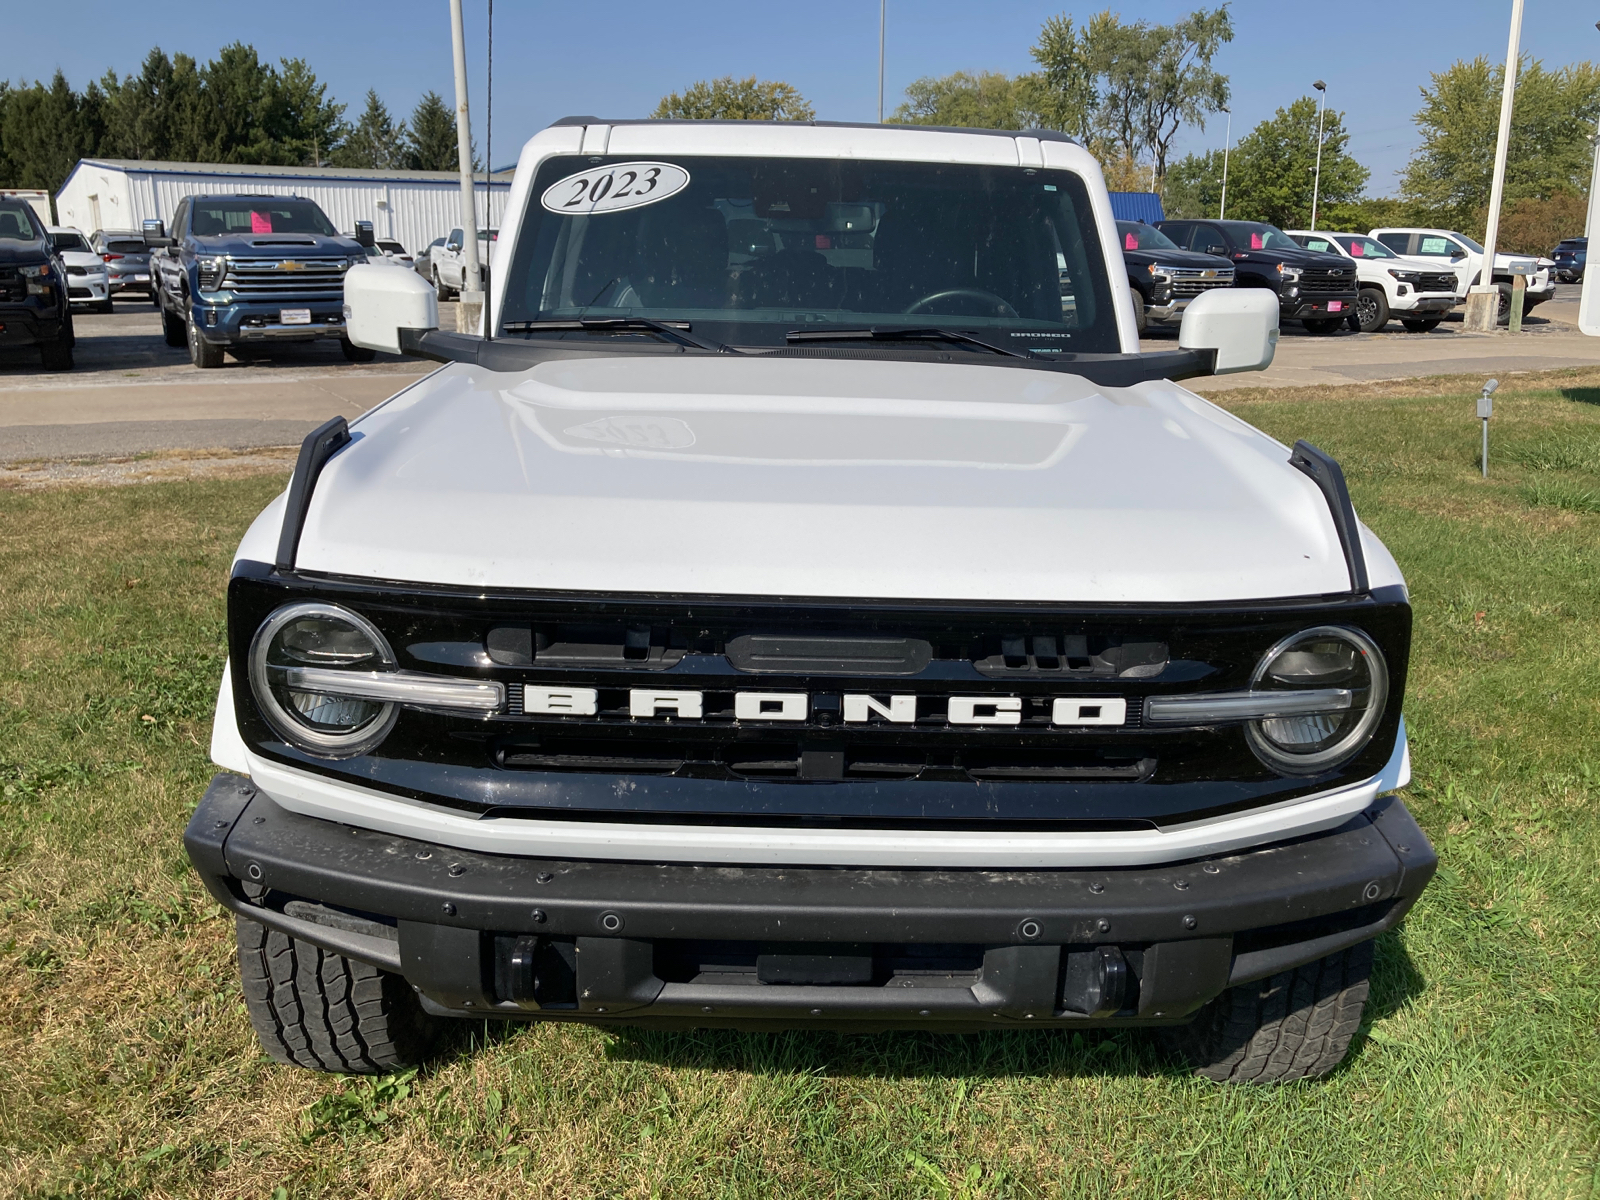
x=411, y=207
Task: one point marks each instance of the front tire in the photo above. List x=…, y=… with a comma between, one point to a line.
x=201, y=352
x=439, y=290
x=1322, y=326
x=172, y=326
x=56, y=355
x=1296, y=1024
x=1417, y=325
x=355, y=353
x=322, y=1011
x=1372, y=310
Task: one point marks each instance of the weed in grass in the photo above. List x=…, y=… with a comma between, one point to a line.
x=1563, y=493
x=131, y=1070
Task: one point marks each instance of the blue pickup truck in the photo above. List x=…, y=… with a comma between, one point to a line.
x=243, y=270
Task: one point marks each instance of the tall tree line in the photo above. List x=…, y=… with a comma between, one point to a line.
x=236, y=108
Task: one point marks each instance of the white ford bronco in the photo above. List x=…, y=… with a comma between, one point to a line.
x=806, y=607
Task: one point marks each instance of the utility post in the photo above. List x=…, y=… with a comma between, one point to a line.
x=1227, y=144
x=1589, y=302
x=470, y=312
x=1485, y=411
x=1316, y=185
x=1483, y=301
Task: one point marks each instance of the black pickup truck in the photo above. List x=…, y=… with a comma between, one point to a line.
x=240, y=270
x=1164, y=277
x=1318, y=290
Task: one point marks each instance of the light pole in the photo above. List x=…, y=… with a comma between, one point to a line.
x=1316, y=185
x=883, y=19
x=471, y=285
x=1483, y=301
x=1227, y=142
x=1589, y=301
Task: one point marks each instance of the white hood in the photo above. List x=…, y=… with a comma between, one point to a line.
x=817, y=477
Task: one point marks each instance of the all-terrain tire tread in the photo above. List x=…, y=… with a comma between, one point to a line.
x=314, y=1009
x=1296, y=1024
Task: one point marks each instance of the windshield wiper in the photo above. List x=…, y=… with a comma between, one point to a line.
x=895, y=333
x=677, y=331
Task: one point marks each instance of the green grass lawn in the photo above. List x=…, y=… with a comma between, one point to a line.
x=127, y=1066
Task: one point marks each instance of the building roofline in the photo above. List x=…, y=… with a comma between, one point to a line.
x=362, y=174
x=1043, y=135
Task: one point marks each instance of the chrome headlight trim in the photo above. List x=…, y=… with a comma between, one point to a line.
x=1359, y=734
x=294, y=731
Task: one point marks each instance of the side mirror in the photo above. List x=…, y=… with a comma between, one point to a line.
x=452, y=245
x=364, y=233
x=380, y=302
x=1239, y=324
x=155, y=233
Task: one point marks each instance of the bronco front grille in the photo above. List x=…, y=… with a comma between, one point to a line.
x=290, y=278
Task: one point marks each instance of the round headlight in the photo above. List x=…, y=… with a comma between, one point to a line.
x=1341, y=665
x=297, y=644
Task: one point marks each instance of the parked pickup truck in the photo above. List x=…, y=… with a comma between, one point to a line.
x=1318, y=290
x=243, y=270
x=1162, y=277
x=1459, y=254
x=1414, y=289
x=810, y=608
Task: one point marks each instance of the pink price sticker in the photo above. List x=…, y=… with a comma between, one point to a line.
x=1357, y=250
x=1130, y=241
x=1257, y=242
x=260, y=222
x=1335, y=305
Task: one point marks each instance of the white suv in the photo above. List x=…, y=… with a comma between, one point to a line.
x=811, y=608
x=88, y=278
x=1416, y=290
x=1458, y=253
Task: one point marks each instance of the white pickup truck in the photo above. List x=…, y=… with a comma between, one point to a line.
x=809, y=608
x=1458, y=253
x=1417, y=290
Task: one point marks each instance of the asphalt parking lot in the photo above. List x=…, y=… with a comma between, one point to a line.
x=132, y=394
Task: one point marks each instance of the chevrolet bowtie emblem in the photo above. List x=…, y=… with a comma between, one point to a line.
x=291, y=265
x=1210, y=275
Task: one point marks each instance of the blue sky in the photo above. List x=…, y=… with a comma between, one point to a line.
x=617, y=59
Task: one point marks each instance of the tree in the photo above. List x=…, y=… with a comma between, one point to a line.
x=1132, y=85
x=238, y=90
x=45, y=130
x=1534, y=224
x=1193, y=187
x=307, y=126
x=431, y=143
x=138, y=109
x=1272, y=169
x=989, y=100
x=1448, y=177
x=730, y=99
x=377, y=141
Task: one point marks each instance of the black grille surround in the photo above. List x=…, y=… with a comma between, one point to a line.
x=1437, y=281
x=1317, y=281
x=719, y=769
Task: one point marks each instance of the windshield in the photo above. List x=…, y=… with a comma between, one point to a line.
x=1136, y=235
x=259, y=214
x=16, y=223
x=755, y=248
x=1261, y=236
x=1365, y=247
x=69, y=241
x=391, y=247
x=1469, y=243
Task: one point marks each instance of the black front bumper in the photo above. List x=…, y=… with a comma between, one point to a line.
x=681, y=945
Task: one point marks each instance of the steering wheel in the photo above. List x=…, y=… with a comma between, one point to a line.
x=1002, y=306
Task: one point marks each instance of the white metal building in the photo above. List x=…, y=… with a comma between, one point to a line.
x=412, y=207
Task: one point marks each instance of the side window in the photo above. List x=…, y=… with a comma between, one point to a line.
x=1398, y=242
x=1436, y=247
x=1208, y=239
x=1322, y=244
x=455, y=237
x=1178, y=231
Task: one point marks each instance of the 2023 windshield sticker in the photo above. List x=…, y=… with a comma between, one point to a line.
x=614, y=187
